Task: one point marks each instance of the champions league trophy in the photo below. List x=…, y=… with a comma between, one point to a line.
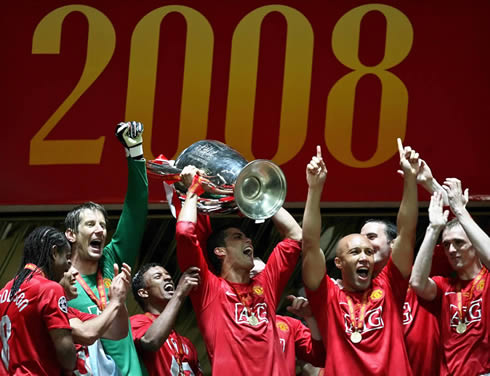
x=257, y=189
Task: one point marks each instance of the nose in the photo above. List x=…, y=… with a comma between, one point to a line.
x=99, y=228
x=451, y=248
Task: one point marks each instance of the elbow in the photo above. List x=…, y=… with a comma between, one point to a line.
x=416, y=284
x=87, y=339
x=150, y=344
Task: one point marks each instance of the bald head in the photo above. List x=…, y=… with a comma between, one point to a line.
x=351, y=241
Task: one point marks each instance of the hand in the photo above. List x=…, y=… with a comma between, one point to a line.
x=120, y=283
x=409, y=159
x=424, y=175
x=299, y=306
x=187, y=175
x=130, y=135
x=437, y=217
x=316, y=171
x=457, y=199
x=189, y=280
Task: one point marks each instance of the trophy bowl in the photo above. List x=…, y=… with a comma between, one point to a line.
x=258, y=189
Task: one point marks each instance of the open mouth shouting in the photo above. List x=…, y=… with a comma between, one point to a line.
x=363, y=273
x=96, y=245
x=169, y=287
x=248, y=251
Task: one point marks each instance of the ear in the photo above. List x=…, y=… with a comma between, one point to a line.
x=70, y=235
x=338, y=263
x=142, y=293
x=220, y=252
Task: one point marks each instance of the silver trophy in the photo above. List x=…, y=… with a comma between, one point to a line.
x=257, y=188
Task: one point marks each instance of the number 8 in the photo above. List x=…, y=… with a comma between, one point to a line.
x=5, y=335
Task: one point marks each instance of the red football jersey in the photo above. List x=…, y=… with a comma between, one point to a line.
x=234, y=344
x=382, y=348
x=466, y=353
x=165, y=360
x=422, y=335
x=296, y=342
x=38, y=307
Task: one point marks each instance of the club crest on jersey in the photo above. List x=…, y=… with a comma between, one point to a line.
x=481, y=285
x=259, y=311
x=282, y=326
x=62, y=304
x=472, y=313
x=107, y=282
x=258, y=290
x=376, y=295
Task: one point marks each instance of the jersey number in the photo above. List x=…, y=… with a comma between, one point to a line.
x=6, y=329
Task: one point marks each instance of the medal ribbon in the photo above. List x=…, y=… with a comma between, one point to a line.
x=459, y=294
x=101, y=304
x=179, y=354
x=244, y=301
x=34, y=268
x=362, y=313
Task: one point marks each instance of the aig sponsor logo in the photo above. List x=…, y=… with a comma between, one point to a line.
x=471, y=314
x=407, y=313
x=372, y=321
x=259, y=311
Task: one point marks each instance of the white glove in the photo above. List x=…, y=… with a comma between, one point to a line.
x=130, y=135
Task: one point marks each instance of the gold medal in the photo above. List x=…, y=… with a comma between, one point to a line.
x=356, y=337
x=252, y=320
x=461, y=328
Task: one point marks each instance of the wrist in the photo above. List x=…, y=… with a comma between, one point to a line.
x=434, y=229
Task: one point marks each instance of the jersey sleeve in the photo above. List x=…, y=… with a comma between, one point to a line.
x=280, y=266
x=190, y=253
x=53, y=306
x=126, y=241
x=74, y=313
x=139, y=326
x=306, y=348
x=398, y=284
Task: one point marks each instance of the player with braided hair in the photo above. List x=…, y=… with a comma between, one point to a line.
x=33, y=309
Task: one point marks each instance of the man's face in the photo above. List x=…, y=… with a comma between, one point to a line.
x=356, y=261
x=159, y=284
x=376, y=233
x=68, y=282
x=458, y=248
x=61, y=262
x=89, y=240
x=239, y=249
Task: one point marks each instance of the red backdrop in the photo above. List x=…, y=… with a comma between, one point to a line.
x=271, y=79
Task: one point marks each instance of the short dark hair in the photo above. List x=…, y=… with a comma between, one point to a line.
x=72, y=219
x=391, y=231
x=452, y=223
x=138, y=282
x=37, y=251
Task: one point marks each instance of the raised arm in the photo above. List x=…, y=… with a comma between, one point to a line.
x=313, y=267
x=112, y=323
x=287, y=225
x=420, y=281
x=402, y=251
x=457, y=201
x=126, y=241
x=158, y=332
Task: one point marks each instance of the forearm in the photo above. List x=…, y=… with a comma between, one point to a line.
x=64, y=348
x=286, y=225
x=402, y=254
x=158, y=332
x=432, y=186
x=87, y=332
x=313, y=326
x=313, y=258
x=477, y=237
x=188, y=212
x=419, y=279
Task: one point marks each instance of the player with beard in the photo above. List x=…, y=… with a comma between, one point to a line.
x=35, y=332
x=163, y=350
x=86, y=229
x=360, y=316
x=236, y=313
x=464, y=300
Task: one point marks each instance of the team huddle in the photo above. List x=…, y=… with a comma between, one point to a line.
x=64, y=312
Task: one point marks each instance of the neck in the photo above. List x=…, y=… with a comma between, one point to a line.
x=155, y=308
x=470, y=272
x=85, y=267
x=235, y=276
